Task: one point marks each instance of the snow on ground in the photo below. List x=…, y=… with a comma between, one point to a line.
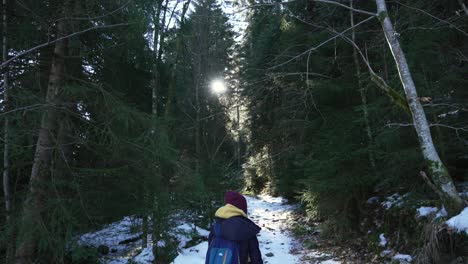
x=112, y=235
x=383, y=240
x=145, y=257
x=372, y=200
x=116, y=236
x=393, y=200
x=403, y=258
x=425, y=211
x=272, y=214
x=459, y=222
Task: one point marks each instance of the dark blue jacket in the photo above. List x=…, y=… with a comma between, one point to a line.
x=244, y=231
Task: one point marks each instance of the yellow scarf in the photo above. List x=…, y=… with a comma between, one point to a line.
x=229, y=211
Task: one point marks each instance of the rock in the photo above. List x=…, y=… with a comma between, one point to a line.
x=103, y=249
x=269, y=254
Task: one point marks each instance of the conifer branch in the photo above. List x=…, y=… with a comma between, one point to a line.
x=21, y=54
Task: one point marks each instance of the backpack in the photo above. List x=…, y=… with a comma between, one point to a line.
x=222, y=251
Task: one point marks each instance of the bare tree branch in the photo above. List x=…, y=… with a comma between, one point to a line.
x=429, y=182
x=436, y=18
x=431, y=125
x=25, y=108
x=347, y=7
x=292, y=1
x=21, y=54
x=375, y=78
x=321, y=44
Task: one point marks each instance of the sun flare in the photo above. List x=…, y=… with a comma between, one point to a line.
x=218, y=87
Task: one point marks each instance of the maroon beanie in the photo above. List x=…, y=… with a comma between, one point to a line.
x=236, y=199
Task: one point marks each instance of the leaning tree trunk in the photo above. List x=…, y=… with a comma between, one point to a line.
x=34, y=204
x=437, y=170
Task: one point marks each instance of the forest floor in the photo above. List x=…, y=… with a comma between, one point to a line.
x=273, y=214
x=284, y=239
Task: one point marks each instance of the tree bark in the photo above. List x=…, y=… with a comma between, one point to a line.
x=6, y=138
x=157, y=46
x=158, y=41
x=6, y=141
x=437, y=170
x=362, y=92
x=34, y=204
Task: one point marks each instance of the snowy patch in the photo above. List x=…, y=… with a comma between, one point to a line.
x=118, y=261
x=117, y=237
x=193, y=255
x=145, y=257
x=372, y=200
x=449, y=113
x=386, y=253
x=330, y=261
x=425, y=211
x=113, y=234
x=442, y=213
x=272, y=200
x=459, y=222
x=393, y=200
x=184, y=233
x=403, y=258
x=383, y=241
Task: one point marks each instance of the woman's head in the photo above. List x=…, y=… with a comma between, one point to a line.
x=236, y=199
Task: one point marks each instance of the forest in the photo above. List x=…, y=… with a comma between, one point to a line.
x=352, y=113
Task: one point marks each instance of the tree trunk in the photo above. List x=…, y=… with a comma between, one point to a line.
x=156, y=47
x=238, y=144
x=197, y=116
x=362, y=92
x=437, y=170
x=6, y=141
x=179, y=46
x=34, y=204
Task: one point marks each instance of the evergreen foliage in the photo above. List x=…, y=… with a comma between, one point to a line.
x=306, y=109
x=137, y=131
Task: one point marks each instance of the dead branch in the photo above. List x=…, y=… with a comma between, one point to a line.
x=430, y=183
x=434, y=17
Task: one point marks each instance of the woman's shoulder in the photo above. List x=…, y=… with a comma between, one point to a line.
x=240, y=222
